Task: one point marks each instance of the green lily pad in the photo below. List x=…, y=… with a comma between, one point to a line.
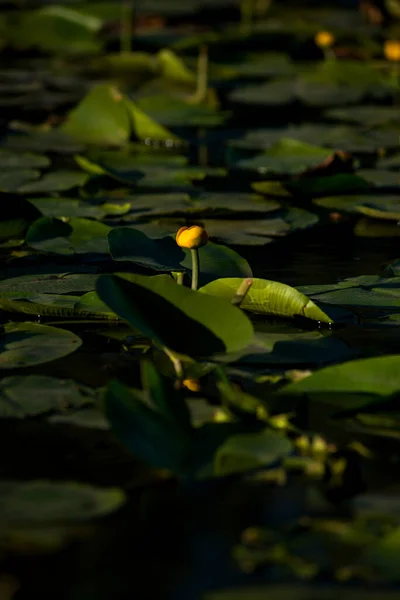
x=101, y=118
x=74, y=236
x=15, y=160
x=262, y=65
x=241, y=453
x=87, y=306
x=286, y=157
x=67, y=207
x=32, y=395
x=88, y=418
x=145, y=432
x=13, y=180
x=55, y=181
x=374, y=292
x=173, y=112
x=251, y=232
x=371, y=205
x=43, y=141
x=28, y=344
x=36, y=503
x=49, y=283
x=55, y=29
x=338, y=137
x=268, y=297
x=163, y=254
x=192, y=323
x=373, y=377
x=381, y=177
x=293, y=349
x=366, y=115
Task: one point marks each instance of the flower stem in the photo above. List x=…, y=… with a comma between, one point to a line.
x=126, y=26
x=200, y=93
x=242, y=292
x=195, y=268
x=176, y=362
x=179, y=278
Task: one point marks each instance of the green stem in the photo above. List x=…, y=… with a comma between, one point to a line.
x=126, y=26
x=242, y=292
x=176, y=362
x=179, y=278
x=195, y=268
x=246, y=14
x=200, y=93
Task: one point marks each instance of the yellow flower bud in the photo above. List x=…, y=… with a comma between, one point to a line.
x=324, y=39
x=192, y=384
x=191, y=237
x=391, y=49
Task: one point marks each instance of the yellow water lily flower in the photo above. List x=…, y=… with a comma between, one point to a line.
x=192, y=384
x=191, y=237
x=391, y=49
x=324, y=39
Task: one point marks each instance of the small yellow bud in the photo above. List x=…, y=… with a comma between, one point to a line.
x=191, y=237
x=391, y=50
x=324, y=39
x=192, y=384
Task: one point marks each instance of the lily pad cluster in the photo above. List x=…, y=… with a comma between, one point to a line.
x=151, y=353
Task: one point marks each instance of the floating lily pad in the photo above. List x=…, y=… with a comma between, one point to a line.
x=351, y=385
x=366, y=115
x=44, y=503
x=286, y=157
x=28, y=344
x=53, y=283
x=74, y=236
x=67, y=207
x=294, y=349
x=32, y=395
x=163, y=254
x=374, y=292
x=12, y=181
x=101, y=118
x=15, y=160
x=241, y=453
x=372, y=205
x=55, y=181
x=57, y=29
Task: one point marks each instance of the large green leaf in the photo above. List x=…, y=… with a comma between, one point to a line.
x=32, y=395
x=175, y=316
x=352, y=384
x=101, y=118
x=69, y=236
x=146, y=433
x=244, y=452
x=36, y=503
x=159, y=254
x=163, y=397
x=28, y=344
x=268, y=297
x=55, y=29
x=144, y=127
